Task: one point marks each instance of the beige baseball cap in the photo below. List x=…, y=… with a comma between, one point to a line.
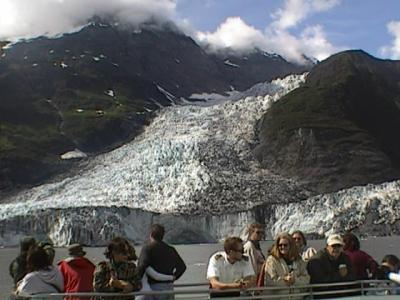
x=334, y=239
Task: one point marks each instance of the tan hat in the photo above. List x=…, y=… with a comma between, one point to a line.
x=334, y=239
x=76, y=250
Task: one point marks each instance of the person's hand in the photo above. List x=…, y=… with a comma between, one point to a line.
x=127, y=288
x=289, y=279
x=343, y=271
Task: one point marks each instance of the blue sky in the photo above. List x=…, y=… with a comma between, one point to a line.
x=346, y=24
x=316, y=28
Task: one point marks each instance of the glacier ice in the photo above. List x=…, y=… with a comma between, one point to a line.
x=192, y=169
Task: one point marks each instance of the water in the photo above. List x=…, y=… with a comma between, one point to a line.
x=195, y=256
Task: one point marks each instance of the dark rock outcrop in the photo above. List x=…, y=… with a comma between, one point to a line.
x=340, y=129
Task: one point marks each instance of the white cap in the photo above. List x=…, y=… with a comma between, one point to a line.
x=334, y=239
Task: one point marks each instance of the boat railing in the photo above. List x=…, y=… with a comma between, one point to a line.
x=353, y=290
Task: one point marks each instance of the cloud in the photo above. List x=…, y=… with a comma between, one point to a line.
x=235, y=34
x=392, y=51
x=295, y=11
x=29, y=18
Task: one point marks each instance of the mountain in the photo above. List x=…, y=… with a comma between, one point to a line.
x=96, y=88
x=193, y=169
x=340, y=129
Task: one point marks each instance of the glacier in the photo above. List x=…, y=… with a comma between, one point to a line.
x=192, y=169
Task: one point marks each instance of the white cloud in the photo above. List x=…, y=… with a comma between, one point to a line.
x=234, y=33
x=312, y=41
x=27, y=18
x=295, y=11
x=393, y=51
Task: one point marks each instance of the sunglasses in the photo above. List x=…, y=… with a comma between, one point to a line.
x=336, y=246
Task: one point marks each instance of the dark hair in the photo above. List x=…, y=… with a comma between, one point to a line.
x=26, y=243
x=392, y=260
x=303, y=237
x=157, y=232
x=37, y=259
x=121, y=246
x=293, y=252
x=230, y=243
x=351, y=242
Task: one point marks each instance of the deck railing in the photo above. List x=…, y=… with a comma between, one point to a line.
x=373, y=289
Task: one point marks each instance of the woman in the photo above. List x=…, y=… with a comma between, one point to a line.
x=285, y=268
x=42, y=276
x=252, y=247
x=363, y=264
x=305, y=251
x=118, y=274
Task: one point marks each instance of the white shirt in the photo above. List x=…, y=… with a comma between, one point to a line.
x=220, y=267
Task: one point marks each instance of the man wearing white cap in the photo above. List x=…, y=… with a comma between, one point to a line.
x=330, y=264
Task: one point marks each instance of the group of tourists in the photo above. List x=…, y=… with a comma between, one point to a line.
x=288, y=266
x=158, y=266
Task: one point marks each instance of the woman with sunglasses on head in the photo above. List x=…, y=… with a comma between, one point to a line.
x=252, y=247
x=285, y=268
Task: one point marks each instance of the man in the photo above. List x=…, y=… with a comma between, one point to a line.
x=163, y=259
x=77, y=271
x=18, y=268
x=331, y=265
x=230, y=269
x=252, y=247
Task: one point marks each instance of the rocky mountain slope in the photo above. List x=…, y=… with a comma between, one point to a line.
x=340, y=129
x=95, y=89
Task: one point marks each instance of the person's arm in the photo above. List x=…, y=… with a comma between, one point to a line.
x=101, y=278
x=272, y=276
x=158, y=276
x=216, y=284
x=144, y=261
x=319, y=273
x=180, y=266
x=350, y=271
x=371, y=264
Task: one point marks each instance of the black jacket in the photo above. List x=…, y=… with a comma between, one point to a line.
x=323, y=269
x=162, y=258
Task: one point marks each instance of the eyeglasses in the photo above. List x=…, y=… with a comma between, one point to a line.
x=283, y=245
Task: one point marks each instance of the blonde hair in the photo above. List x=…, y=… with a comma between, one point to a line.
x=293, y=252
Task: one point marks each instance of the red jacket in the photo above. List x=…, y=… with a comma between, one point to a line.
x=78, y=274
x=362, y=262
